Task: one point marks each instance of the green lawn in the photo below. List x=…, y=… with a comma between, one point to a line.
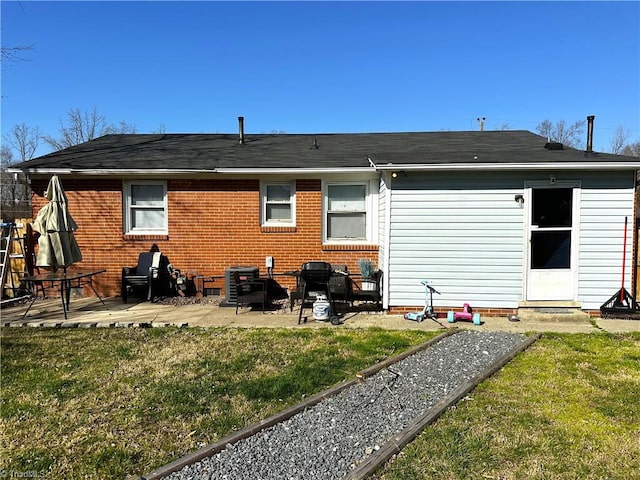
x=107, y=403
x=568, y=408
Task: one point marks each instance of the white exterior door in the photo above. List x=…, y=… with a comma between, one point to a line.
x=552, y=231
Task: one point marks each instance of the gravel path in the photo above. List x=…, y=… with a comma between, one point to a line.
x=328, y=440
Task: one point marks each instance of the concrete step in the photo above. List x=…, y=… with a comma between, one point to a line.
x=553, y=314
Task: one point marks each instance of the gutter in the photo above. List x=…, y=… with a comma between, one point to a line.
x=512, y=166
x=389, y=167
x=108, y=171
x=297, y=170
x=166, y=171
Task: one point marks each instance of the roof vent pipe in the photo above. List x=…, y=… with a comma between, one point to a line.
x=241, y=127
x=590, y=119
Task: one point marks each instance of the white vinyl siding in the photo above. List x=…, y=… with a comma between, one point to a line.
x=467, y=242
x=603, y=210
x=382, y=222
x=466, y=234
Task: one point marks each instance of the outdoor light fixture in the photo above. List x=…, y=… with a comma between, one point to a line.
x=519, y=199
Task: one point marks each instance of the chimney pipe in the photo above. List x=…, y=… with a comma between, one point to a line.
x=241, y=126
x=590, y=119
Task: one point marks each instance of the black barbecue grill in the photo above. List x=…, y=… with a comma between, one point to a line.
x=315, y=277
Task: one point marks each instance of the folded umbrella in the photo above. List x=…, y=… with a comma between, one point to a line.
x=57, y=246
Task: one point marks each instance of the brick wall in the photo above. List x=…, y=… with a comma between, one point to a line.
x=213, y=224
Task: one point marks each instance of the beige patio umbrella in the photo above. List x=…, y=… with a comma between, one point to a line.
x=57, y=246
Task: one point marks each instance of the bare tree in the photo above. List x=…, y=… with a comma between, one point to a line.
x=84, y=126
x=633, y=149
x=570, y=135
x=14, y=192
x=619, y=140
x=15, y=187
x=24, y=140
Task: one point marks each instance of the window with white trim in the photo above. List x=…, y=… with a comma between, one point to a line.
x=145, y=204
x=278, y=203
x=346, y=212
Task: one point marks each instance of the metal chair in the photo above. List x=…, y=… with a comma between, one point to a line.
x=315, y=278
x=249, y=291
x=373, y=296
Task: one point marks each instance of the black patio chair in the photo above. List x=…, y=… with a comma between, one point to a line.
x=315, y=278
x=372, y=296
x=145, y=276
x=249, y=291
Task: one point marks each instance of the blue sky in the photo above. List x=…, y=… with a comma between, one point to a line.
x=318, y=67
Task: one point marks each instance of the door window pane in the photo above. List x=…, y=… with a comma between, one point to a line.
x=552, y=207
x=551, y=249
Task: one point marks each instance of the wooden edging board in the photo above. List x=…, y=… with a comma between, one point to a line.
x=210, y=450
x=374, y=461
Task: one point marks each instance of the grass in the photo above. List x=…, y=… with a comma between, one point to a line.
x=110, y=403
x=114, y=402
x=568, y=408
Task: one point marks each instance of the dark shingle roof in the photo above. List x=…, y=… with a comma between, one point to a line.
x=187, y=152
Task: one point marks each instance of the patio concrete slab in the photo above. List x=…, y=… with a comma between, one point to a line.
x=88, y=312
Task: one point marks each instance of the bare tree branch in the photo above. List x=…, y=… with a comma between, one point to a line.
x=14, y=189
x=619, y=140
x=84, y=126
x=14, y=54
x=633, y=149
x=24, y=140
x=570, y=135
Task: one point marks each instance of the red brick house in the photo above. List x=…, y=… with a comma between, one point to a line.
x=212, y=201
x=464, y=209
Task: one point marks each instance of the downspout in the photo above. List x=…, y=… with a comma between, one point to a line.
x=387, y=239
x=634, y=271
x=385, y=177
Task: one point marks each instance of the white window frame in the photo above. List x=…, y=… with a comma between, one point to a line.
x=263, y=204
x=129, y=208
x=370, y=213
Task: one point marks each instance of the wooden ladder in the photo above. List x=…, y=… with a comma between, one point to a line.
x=12, y=252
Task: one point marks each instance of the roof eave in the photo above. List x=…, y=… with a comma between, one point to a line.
x=254, y=171
x=167, y=171
x=513, y=166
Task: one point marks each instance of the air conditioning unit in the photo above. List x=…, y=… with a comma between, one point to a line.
x=249, y=273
